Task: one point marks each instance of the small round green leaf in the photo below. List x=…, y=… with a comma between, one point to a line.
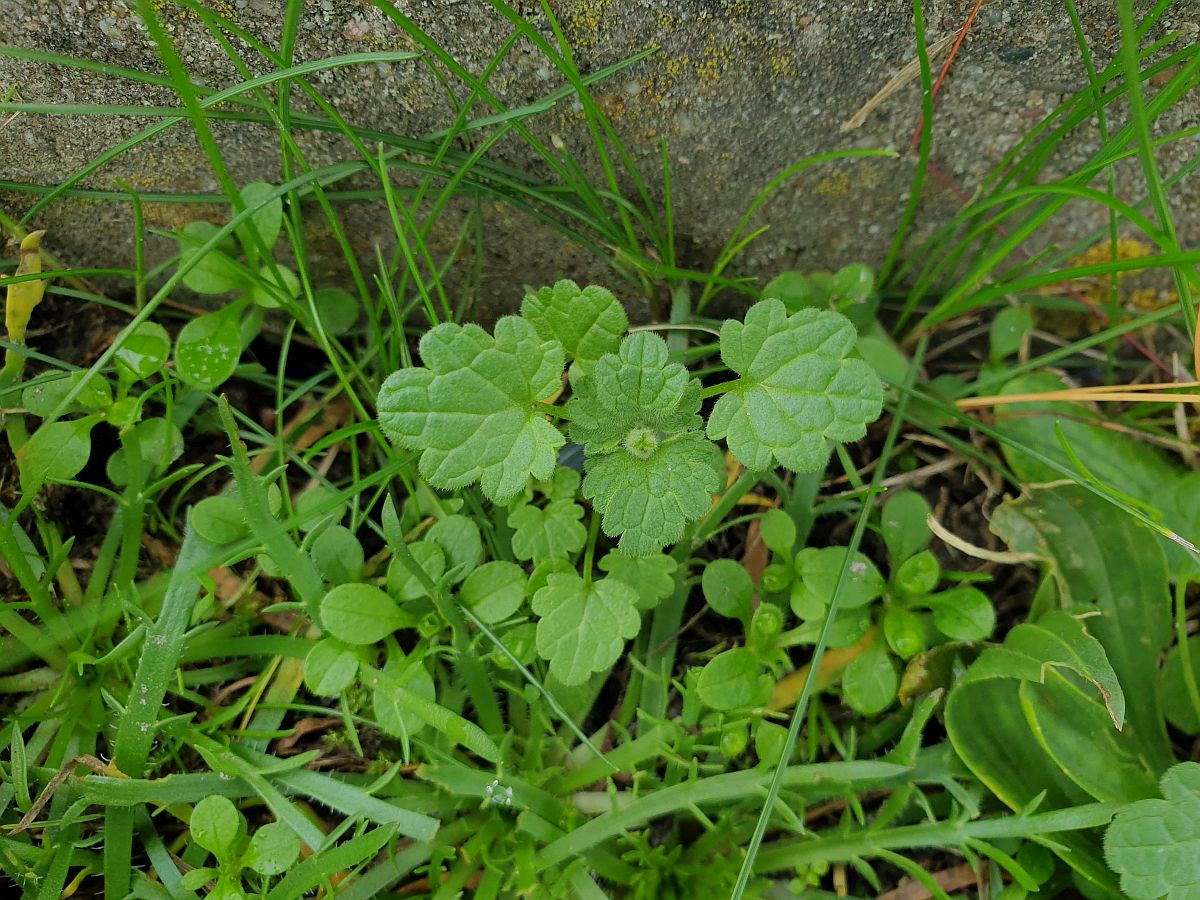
x=274, y=286
x=905, y=632
x=273, y=849
x=220, y=519
x=1008, y=330
x=403, y=584
x=329, y=667
x=360, y=614
x=338, y=555
x=494, y=591
x=778, y=532
x=336, y=310
x=918, y=575
x=218, y=827
x=142, y=352
x=728, y=588
x=267, y=218
x=963, y=613
x=731, y=680
x=459, y=537
x=215, y=272
x=870, y=681
x=904, y=525
x=818, y=570
x=57, y=451
x=159, y=444
x=208, y=348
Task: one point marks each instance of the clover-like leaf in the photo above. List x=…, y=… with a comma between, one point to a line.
x=588, y=322
x=647, y=502
x=798, y=393
x=473, y=410
x=542, y=534
x=1154, y=845
x=583, y=626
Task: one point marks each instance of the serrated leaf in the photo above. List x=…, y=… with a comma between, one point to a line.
x=798, y=393
x=472, y=412
x=647, y=502
x=541, y=534
x=583, y=627
x=651, y=576
x=588, y=322
x=208, y=348
x=633, y=394
x=1154, y=845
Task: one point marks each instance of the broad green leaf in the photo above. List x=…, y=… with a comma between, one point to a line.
x=728, y=589
x=329, y=667
x=220, y=519
x=459, y=538
x=540, y=534
x=651, y=576
x=588, y=322
x=216, y=272
x=472, y=413
x=917, y=576
x=338, y=555
x=57, y=451
x=1155, y=844
x=267, y=219
x=734, y=680
x=360, y=614
x=1008, y=331
x=1178, y=703
x=494, y=591
x=904, y=524
x=647, y=502
x=962, y=613
x=142, y=351
x=273, y=849
x=208, y=348
x=336, y=309
x=778, y=532
x=583, y=626
x=1098, y=554
x=43, y=397
x=817, y=571
x=869, y=683
x=218, y=827
x=797, y=393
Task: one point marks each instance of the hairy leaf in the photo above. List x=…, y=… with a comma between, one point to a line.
x=542, y=534
x=647, y=502
x=583, y=627
x=1155, y=844
x=651, y=576
x=473, y=411
x=797, y=393
x=588, y=322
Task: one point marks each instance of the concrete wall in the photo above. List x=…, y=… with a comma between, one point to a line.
x=740, y=90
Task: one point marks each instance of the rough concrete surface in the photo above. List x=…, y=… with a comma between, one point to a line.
x=739, y=89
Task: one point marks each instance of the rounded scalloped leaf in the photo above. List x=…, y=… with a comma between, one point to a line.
x=647, y=502
x=1154, y=845
x=472, y=412
x=583, y=627
x=636, y=386
x=798, y=393
x=588, y=322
